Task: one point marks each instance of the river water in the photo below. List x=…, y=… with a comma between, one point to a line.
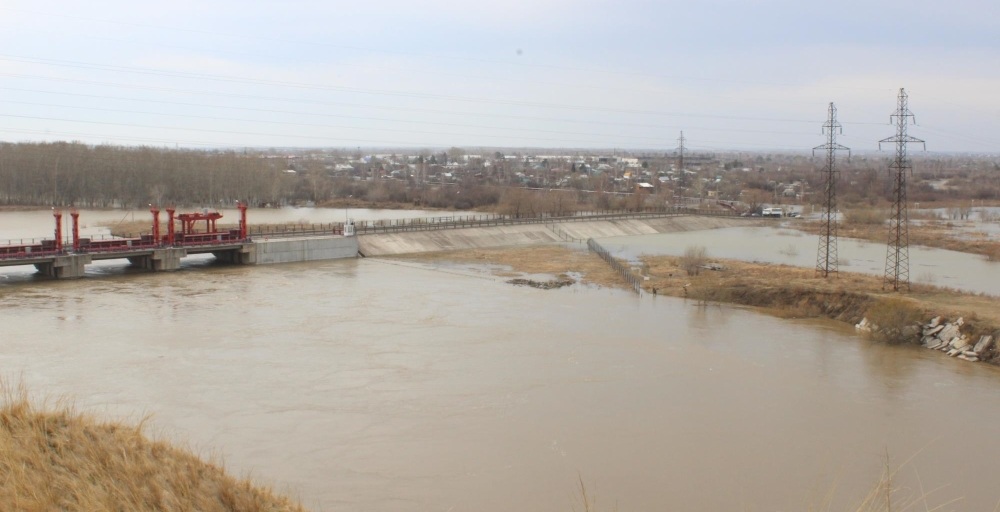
x=963, y=271
x=382, y=385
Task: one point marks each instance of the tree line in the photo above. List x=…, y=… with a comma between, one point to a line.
x=75, y=174
x=65, y=174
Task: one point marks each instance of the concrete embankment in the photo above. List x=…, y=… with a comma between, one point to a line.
x=388, y=244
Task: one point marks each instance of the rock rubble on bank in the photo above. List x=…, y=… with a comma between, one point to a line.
x=944, y=336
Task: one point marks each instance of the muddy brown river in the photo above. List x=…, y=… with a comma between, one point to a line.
x=379, y=385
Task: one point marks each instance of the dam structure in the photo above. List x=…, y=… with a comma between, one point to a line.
x=67, y=257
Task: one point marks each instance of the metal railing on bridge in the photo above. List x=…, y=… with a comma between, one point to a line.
x=31, y=249
x=296, y=230
x=26, y=248
x=485, y=220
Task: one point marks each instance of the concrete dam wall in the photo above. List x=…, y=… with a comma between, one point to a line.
x=387, y=244
x=294, y=250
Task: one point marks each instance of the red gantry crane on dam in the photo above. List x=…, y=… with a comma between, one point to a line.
x=152, y=250
x=188, y=236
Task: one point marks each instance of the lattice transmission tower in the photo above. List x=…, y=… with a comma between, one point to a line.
x=897, y=258
x=680, y=169
x=827, y=261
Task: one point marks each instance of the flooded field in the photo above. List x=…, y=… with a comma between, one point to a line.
x=969, y=272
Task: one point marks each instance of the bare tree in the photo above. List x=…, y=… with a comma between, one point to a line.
x=693, y=259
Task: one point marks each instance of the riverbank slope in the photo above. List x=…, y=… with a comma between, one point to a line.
x=56, y=459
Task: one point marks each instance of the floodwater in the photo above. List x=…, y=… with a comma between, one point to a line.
x=382, y=385
x=969, y=272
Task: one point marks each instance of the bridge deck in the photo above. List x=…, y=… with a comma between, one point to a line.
x=117, y=253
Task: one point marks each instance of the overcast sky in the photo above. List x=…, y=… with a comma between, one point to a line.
x=741, y=75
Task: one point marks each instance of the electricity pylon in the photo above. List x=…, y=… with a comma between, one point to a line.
x=827, y=261
x=682, y=178
x=897, y=258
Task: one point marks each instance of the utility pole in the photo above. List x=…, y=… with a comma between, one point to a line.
x=827, y=261
x=897, y=258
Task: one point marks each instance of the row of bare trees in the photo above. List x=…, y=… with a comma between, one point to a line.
x=74, y=174
x=520, y=202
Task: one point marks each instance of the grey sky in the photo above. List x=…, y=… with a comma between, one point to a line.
x=752, y=75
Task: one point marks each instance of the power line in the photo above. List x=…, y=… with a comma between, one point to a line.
x=517, y=63
x=317, y=87
x=589, y=122
x=436, y=73
x=322, y=87
x=314, y=125
x=958, y=136
x=307, y=137
x=120, y=137
x=88, y=23
x=313, y=113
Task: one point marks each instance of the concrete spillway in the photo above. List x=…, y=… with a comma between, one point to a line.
x=387, y=244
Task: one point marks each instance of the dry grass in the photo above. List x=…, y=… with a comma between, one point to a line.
x=992, y=253
x=884, y=495
x=57, y=459
x=937, y=234
x=865, y=217
x=786, y=291
x=797, y=292
x=588, y=499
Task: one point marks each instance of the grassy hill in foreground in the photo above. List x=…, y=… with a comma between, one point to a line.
x=62, y=460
